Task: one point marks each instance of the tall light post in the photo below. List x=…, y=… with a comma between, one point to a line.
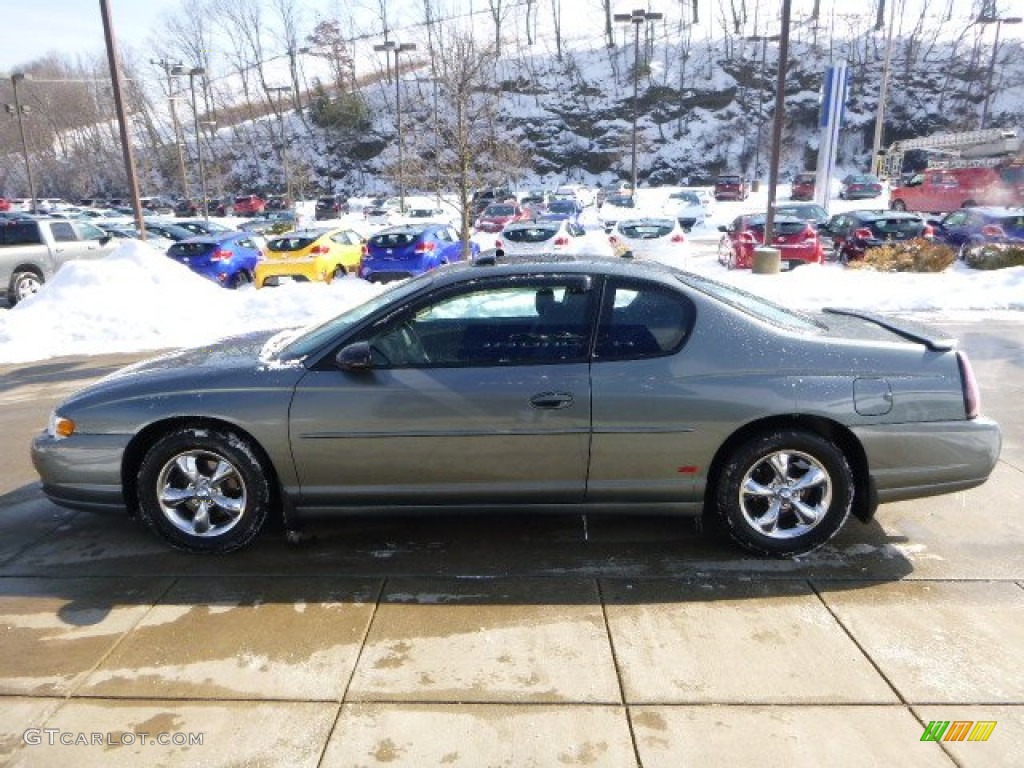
x=636, y=18
x=19, y=111
x=280, y=91
x=764, y=40
x=397, y=48
x=192, y=75
x=876, y=145
x=293, y=70
x=172, y=69
x=992, y=63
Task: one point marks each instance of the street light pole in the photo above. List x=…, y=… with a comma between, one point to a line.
x=780, y=117
x=636, y=18
x=398, y=48
x=281, y=90
x=172, y=69
x=19, y=111
x=992, y=63
x=192, y=75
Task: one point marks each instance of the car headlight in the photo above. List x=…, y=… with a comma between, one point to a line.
x=60, y=427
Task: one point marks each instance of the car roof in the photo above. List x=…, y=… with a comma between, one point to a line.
x=491, y=264
x=881, y=213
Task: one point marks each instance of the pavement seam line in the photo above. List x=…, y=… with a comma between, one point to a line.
x=351, y=675
x=906, y=705
x=72, y=692
x=618, y=673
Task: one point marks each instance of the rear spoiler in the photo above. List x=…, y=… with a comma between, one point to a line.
x=905, y=328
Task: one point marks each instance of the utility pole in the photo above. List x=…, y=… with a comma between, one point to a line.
x=18, y=110
x=280, y=91
x=192, y=75
x=876, y=147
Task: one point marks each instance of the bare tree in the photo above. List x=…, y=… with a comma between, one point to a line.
x=556, y=17
x=500, y=10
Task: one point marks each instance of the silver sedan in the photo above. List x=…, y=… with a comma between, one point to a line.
x=562, y=385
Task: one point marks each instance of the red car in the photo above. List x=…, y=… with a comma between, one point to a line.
x=497, y=215
x=795, y=238
x=803, y=186
x=730, y=186
x=248, y=205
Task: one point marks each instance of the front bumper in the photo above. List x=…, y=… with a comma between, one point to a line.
x=910, y=461
x=82, y=471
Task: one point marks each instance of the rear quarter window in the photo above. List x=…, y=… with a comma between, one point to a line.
x=285, y=244
x=189, y=249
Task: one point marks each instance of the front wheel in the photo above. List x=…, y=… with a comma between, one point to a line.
x=785, y=492
x=203, y=490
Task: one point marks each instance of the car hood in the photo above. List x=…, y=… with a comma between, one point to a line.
x=197, y=369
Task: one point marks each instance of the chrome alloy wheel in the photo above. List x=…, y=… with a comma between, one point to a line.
x=785, y=494
x=201, y=493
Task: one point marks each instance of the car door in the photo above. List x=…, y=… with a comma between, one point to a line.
x=478, y=394
x=955, y=228
x=641, y=426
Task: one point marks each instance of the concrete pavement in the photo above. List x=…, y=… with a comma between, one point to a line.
x=512, y=641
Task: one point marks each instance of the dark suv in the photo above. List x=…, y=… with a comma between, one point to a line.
x=331, y=207
x=855, y=232
x=731, y=187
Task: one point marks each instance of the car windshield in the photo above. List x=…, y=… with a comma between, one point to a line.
x=685, y=197
x=894, y=226
x=315, y=338
x=728, y=180
x=189, y=249
x=646, y=230
x=499, y=210
x=530, y=234
x=393, y=239
x=781, y=227
x=294, y=243
x=756, y=306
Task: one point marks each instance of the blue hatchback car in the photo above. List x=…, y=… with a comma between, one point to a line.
x=228, y=258
x=402, y=251
x=968, y=227
x=561, y=210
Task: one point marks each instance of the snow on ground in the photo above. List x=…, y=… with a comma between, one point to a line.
x=137, y=299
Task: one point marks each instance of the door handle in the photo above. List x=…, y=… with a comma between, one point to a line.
x=552, y=400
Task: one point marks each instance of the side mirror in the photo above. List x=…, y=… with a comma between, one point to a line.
x=105, y=239
x=354, y=357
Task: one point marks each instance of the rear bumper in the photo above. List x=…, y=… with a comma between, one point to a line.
x=909, y=461
x=303, y=268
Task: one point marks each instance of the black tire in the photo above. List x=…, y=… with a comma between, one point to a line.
x=796, y=481
x=23, y=285
x=969, y=204
x=338, y=273
x=240, y=279
x=203, y=469
x=898, y=205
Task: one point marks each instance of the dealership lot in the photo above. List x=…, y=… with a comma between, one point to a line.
x=513, y=641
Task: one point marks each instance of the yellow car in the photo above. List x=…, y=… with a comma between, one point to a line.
x=311, y=254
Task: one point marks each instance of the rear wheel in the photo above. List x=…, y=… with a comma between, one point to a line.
x=23, y=285
x=203, y=490
x=338, y=273
x=898, y=205
x=240, y=279
x=785, y=492
x=968, y=204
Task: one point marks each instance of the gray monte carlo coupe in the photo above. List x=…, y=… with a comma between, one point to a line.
x=562, y=385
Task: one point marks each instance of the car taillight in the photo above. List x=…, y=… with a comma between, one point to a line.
x=318, y=249
x=810, y=233
x=969, y=385
x=928, y=231
x=498, y=243
x=993, y=230
x=220, y=255
x=678, y=238
x=426, y=247
x=862, y=234
x=747, y=238
x=365, y=251
x=561, y=241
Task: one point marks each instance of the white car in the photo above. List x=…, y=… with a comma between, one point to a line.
x=527, y=238
x=614, y=209
x=686, y=208
x=581, y=194
x=656, y=239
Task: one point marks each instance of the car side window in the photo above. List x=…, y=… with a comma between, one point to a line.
x=640, y=320
x=89, y=232
x=537, y=322
x=63, y=232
